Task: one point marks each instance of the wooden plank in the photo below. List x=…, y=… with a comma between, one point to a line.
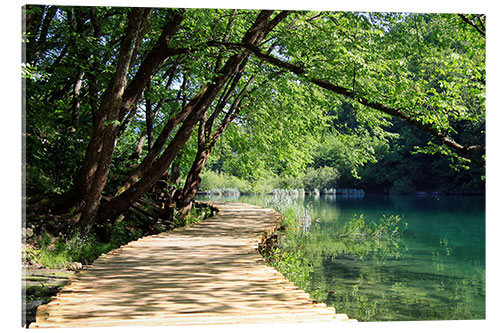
x=208, y=273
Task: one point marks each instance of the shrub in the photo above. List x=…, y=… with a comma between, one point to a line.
x=322, y=178
x=218, y=180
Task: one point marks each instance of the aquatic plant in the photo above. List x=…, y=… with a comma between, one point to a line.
x=301, y=248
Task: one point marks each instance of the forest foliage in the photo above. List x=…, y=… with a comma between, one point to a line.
x=119, y=100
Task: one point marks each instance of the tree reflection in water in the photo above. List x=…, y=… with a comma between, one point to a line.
x=364, y=269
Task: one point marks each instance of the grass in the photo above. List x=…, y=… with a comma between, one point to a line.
x=63, y=251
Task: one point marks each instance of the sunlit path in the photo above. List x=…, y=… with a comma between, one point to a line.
x=208, y=273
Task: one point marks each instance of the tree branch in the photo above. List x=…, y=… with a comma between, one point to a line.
x=482, y=30
x=447, y=141
x=152, y=62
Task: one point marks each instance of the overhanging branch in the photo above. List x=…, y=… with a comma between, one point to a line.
x=481, y=29
x=465, y=151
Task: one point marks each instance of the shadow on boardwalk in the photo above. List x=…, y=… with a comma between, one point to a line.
x=208, y=273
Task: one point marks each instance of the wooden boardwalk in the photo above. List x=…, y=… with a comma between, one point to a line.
x=207, y=273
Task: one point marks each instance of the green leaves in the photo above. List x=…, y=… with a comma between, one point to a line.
x=112, y=122
x=27, y=71
x=429, y=66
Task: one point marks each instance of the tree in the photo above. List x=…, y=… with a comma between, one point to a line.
x=207, y=138
x=363, y=79
x=118, y=103
x=197, y=109
x=101, y=80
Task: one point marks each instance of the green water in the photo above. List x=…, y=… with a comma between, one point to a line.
x=441, y=271
x=437, y=271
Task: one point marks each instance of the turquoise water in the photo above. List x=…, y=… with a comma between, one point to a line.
x=440, y=274
x=437, y=271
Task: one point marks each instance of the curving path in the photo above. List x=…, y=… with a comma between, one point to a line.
x=207, y=273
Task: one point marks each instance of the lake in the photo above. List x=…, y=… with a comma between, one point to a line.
x=436, y=270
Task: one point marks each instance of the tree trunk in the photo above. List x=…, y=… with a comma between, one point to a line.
x=126, y=122
x=138, y=150
x=123, y=201
x=172, y=191
x=157, y=147
x=206, y=142
x=193, y=182
x=116, y=102
x=100, y=149
x=92, y=75
x=234, y=65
